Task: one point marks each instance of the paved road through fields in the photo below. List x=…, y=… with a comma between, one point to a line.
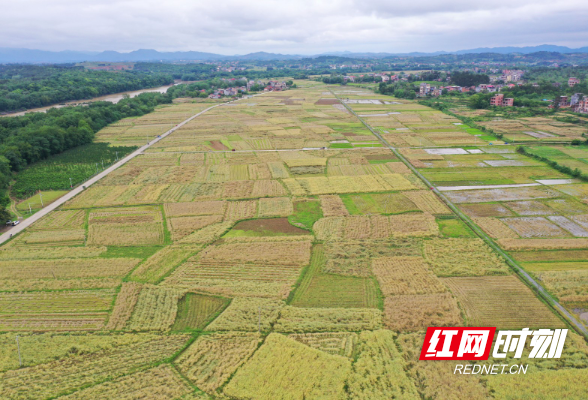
x=40, y=214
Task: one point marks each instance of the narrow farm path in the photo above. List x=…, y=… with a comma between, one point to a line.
x=74, y=192
x=536, y=286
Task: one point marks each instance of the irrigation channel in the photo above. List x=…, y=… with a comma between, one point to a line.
x=532, y=283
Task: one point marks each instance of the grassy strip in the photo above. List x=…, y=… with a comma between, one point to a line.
x=574, y=173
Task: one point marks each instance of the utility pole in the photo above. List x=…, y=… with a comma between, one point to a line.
x=18, y=346
x=41, y=196
x=102, y=164
x=116, y=155
x=70, y=184
x=30, y=211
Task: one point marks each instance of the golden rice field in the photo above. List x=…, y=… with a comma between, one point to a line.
x=305, y=264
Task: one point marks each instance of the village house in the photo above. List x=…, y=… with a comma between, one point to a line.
x=498, y=100
x=573, y=81
x=581, y=106
x=576, y=98
x=424, y=89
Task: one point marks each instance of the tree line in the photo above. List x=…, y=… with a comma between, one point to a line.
x=28, y=86
x=37, y=136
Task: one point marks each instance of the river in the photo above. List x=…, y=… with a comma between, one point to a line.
x=113, y=98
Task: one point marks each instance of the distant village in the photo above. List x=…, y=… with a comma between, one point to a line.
x=271, y=86
x=511, y=78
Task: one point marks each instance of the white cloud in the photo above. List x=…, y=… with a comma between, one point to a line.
x=299, y=26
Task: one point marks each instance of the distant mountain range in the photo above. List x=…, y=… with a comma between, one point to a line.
x=10, y=55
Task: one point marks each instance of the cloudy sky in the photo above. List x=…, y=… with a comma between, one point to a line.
x=290, y=26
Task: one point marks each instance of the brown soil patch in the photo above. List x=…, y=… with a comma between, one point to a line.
x=217, y=145
x=326, y=102
x=348, y=134
x=270, y=225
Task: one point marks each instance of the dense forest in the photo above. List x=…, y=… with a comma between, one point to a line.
x=30, y=86
x=36, y=136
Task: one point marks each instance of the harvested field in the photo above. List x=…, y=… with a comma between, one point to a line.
x=531, y=207
x=432, y=377
x=294, y=319
x=405, y=275
x=63, y=376
x=212, y=359
x=489, y=300
x=284, y=365
x=318, y=289
x=508, y=194
x=379, y=371
x=161, y=382
x=124, y=305
x=247, y=314
x=495, y=228
x=417, y=312
x=336, y=343
x=463, y=257
x=534, y=227
x=156, y=309
x=543, y=244
x=162, y=263
x=196, y=310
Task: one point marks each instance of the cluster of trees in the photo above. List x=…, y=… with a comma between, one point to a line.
x=28, y=86
x=560, y=75
x=467, y=78
x=195, y=89
x=403, y=90
x=36, y=136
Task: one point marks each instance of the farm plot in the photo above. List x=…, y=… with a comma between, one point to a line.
x=379, y=371
x=162, y=263
x=161, y=382
x=318, y=289
x=196, y=310
x=58, y=311
x=247, y=314
x=39, y=348
x=375, y=227
x=156, y=309
x=534, y=227
x=132, y=226
x=283, y=364
x=417, y=312
x=295, y=319
x=489, y=301
x=353, y=257
x=336, y=343
x=83, y=273
x=405, y=275
x=212, y=359
x=432, y=378
x=63, y=376
x=463, y=257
